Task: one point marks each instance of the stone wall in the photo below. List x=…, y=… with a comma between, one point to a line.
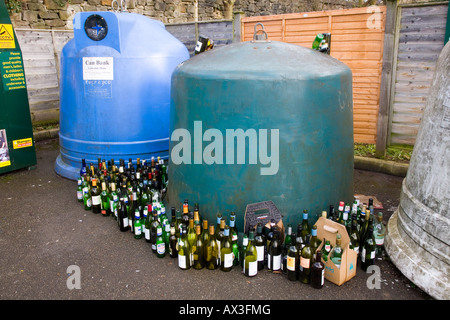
x=58, y=14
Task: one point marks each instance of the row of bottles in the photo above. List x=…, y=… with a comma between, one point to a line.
x=197, y=243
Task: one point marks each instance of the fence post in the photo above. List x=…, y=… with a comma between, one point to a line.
x=386, y=78
x=237, y=20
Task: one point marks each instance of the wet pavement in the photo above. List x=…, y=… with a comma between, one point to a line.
x=44, y=231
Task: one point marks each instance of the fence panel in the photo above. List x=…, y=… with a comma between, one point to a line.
x=356, y=39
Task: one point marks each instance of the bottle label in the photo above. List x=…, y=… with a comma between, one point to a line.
x=96, y=200
x=260, y=253
x=125, y=221
x=137, y=230
x=79, y=195
x=276, y=261
x=305, y=263
x=228, y=260
x=252, y=268
x=379, y=241
x=147, y=234
x=290, y=263
x=182, y=261
x=161, y=248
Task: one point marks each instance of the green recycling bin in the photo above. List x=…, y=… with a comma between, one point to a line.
x=17, y=149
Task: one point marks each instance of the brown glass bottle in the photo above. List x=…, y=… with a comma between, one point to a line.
x=317, y=272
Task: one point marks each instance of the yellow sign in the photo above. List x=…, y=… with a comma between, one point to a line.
x=22, y=143
x=7, y=37
x=5, y=163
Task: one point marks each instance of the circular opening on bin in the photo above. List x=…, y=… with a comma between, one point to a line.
x=96, y=27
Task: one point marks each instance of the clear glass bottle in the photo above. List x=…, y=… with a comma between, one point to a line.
x=306, y=257
x=336, y=253
x=379, y=231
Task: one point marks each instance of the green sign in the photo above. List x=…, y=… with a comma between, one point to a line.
x=12, y=71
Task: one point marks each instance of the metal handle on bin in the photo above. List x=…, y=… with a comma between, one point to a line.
x=260, y=37
x=119, y=7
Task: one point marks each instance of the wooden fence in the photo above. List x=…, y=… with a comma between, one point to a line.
x=356, y=39
x=418, y=40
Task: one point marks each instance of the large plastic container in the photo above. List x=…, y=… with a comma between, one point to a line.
x=418, y=237
x=115, y=89
x=294, y=103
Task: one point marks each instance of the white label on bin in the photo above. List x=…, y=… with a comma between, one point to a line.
x=98, y=68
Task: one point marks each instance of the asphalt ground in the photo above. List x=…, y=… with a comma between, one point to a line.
x=45, y=233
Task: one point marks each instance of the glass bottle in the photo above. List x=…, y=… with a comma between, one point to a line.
x=336, y=253
x=154, y=229
x=292, y=263
x=220, y=236
x=305, y=225
x=105, y=197
x=306, y=257
x=326, y=249
x=226, y=251
x=173, y=252
x=244, y=248
x=96, y=198
x=184, y=251
x=137, y=225
x=318, y=272
x=260, y=246
x=314, y=242
x=379, y=231
x=80, y=190
x=354, y=234
x=198, y=250
x=212, y=251
x=122, y=218
x=274, y=252
x=368, y=251
x=113, y=201
x=191, y=233
x=160, y=243
x=250, y=265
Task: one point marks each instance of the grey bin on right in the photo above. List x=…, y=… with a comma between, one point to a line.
x=418, y=237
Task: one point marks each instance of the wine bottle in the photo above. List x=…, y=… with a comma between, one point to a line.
x=184, y=251
x=226, y=251
x=198, y=250
x=212, y=251
x=104, y=196
x=243, y=249
x=173, y=252
x=191, y=233
x=368, y=251
x=314, y=242
x=137, y=225
x=154, y=229
x=122, y=218
x=292, y=263
x=336, y=253
x=274, y=252
x=260, y=246
x=250, y=265
x=306, y=257
x=80, y=190
x=113, y=201
x=220, y=236
x=326, y=249
x=160, y=243
x=379, y=231
x=354, y=234
x=305, y=225
x=318, y=272
x=96, y=198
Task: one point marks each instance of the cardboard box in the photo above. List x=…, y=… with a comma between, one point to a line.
x=329, y=229
x=263, y=212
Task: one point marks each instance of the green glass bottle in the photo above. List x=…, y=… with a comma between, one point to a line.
x=243, y=249
x=122, y=218
x=318, y=272
x=105, y=197
x=191, y=233
x=314, y=242
x=226, y=251
x=306, y=257
x=113, y=201
x=212, y=251
x=137, y=225
x=354, y=234
x=292, y=262
x=326, y=249
x=87, y=200
x=198, y=250
x=336, y=253
x=173, y=251
x=96, y=198
x=80, y=190
x=160, y=243
x=250, y=265
x=305, y=225
x=220, y=236
x=184, y=250
x=368, y=251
